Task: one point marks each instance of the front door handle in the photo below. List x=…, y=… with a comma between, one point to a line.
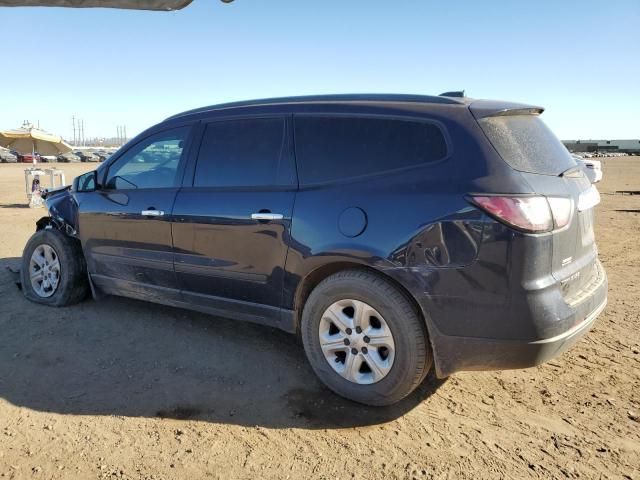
x=152, y=213
x=266, y=216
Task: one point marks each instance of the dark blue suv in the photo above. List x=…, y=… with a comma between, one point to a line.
x=391, y=232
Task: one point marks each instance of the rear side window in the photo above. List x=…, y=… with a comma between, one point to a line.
x=332, y=148
x=527, y=144
x=250, y=152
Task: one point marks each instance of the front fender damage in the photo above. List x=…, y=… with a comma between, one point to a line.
x=63, y=216
x=63, y=212
x=58, y=223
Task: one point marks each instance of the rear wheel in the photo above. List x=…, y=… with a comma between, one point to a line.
x=53, y=269
x=364, y=338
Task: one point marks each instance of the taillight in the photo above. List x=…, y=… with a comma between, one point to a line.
x=561, y=209
x=532, y=214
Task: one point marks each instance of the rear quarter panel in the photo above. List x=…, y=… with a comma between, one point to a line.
x=417, y=217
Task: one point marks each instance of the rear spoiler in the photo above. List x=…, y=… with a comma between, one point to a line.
x=165, y=5
x=493, y=108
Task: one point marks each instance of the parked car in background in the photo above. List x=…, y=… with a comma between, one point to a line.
x=48, y=158
x=87, y=156
x=7, y=157
x=391, y=232
x=103, y=155
x=28, y=157
x=68, y=157
x=591, y=168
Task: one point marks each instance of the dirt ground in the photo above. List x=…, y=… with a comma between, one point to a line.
x=125, y=389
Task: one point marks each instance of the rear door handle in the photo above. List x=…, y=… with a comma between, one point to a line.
x=266, y=216
x=152, y=213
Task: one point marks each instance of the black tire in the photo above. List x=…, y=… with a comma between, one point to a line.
x=73, y=283
x=413, y=357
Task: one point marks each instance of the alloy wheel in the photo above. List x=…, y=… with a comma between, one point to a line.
x=356, y=341
x=44, y=270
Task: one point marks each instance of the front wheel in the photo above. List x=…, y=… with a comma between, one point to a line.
x=53, y=269
x=364, y=338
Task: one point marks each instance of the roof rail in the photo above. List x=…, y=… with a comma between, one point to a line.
x=358, y=97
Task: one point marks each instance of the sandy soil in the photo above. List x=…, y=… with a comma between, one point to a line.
x=125, y=389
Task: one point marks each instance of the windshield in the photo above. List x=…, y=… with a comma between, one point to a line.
x=527, y=144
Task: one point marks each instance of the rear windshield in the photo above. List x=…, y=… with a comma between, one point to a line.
x=527, y=144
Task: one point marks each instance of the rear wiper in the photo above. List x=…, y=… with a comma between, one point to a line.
x=572, y=172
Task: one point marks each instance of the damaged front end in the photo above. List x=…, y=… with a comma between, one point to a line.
x=63, y=211
x=63, y=216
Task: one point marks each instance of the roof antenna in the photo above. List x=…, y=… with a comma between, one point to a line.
x=459, y=94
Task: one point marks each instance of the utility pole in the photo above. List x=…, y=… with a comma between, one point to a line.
x=121, y=136
x=73, y=121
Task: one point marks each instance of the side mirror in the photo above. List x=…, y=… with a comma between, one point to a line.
x=86, y=183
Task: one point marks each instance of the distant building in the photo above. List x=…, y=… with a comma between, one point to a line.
x=624, y=146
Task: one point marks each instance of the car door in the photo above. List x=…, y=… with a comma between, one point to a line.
x=125, y=225
x=232, y=220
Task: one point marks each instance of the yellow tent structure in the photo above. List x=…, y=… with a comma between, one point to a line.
x=30, y=140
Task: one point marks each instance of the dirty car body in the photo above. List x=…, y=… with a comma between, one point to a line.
x=494, y=291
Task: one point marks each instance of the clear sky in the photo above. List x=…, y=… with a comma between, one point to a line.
x=579, y=59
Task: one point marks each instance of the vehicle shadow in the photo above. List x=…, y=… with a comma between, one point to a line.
x=14, y=205
x=131, y=358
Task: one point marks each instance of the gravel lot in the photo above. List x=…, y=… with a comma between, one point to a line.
x=125, y=389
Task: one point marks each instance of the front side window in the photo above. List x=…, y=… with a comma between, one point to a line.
x=152, y=163
x=250, y=152
x=333, y=148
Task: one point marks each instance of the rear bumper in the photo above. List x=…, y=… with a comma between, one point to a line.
x=457, y=353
